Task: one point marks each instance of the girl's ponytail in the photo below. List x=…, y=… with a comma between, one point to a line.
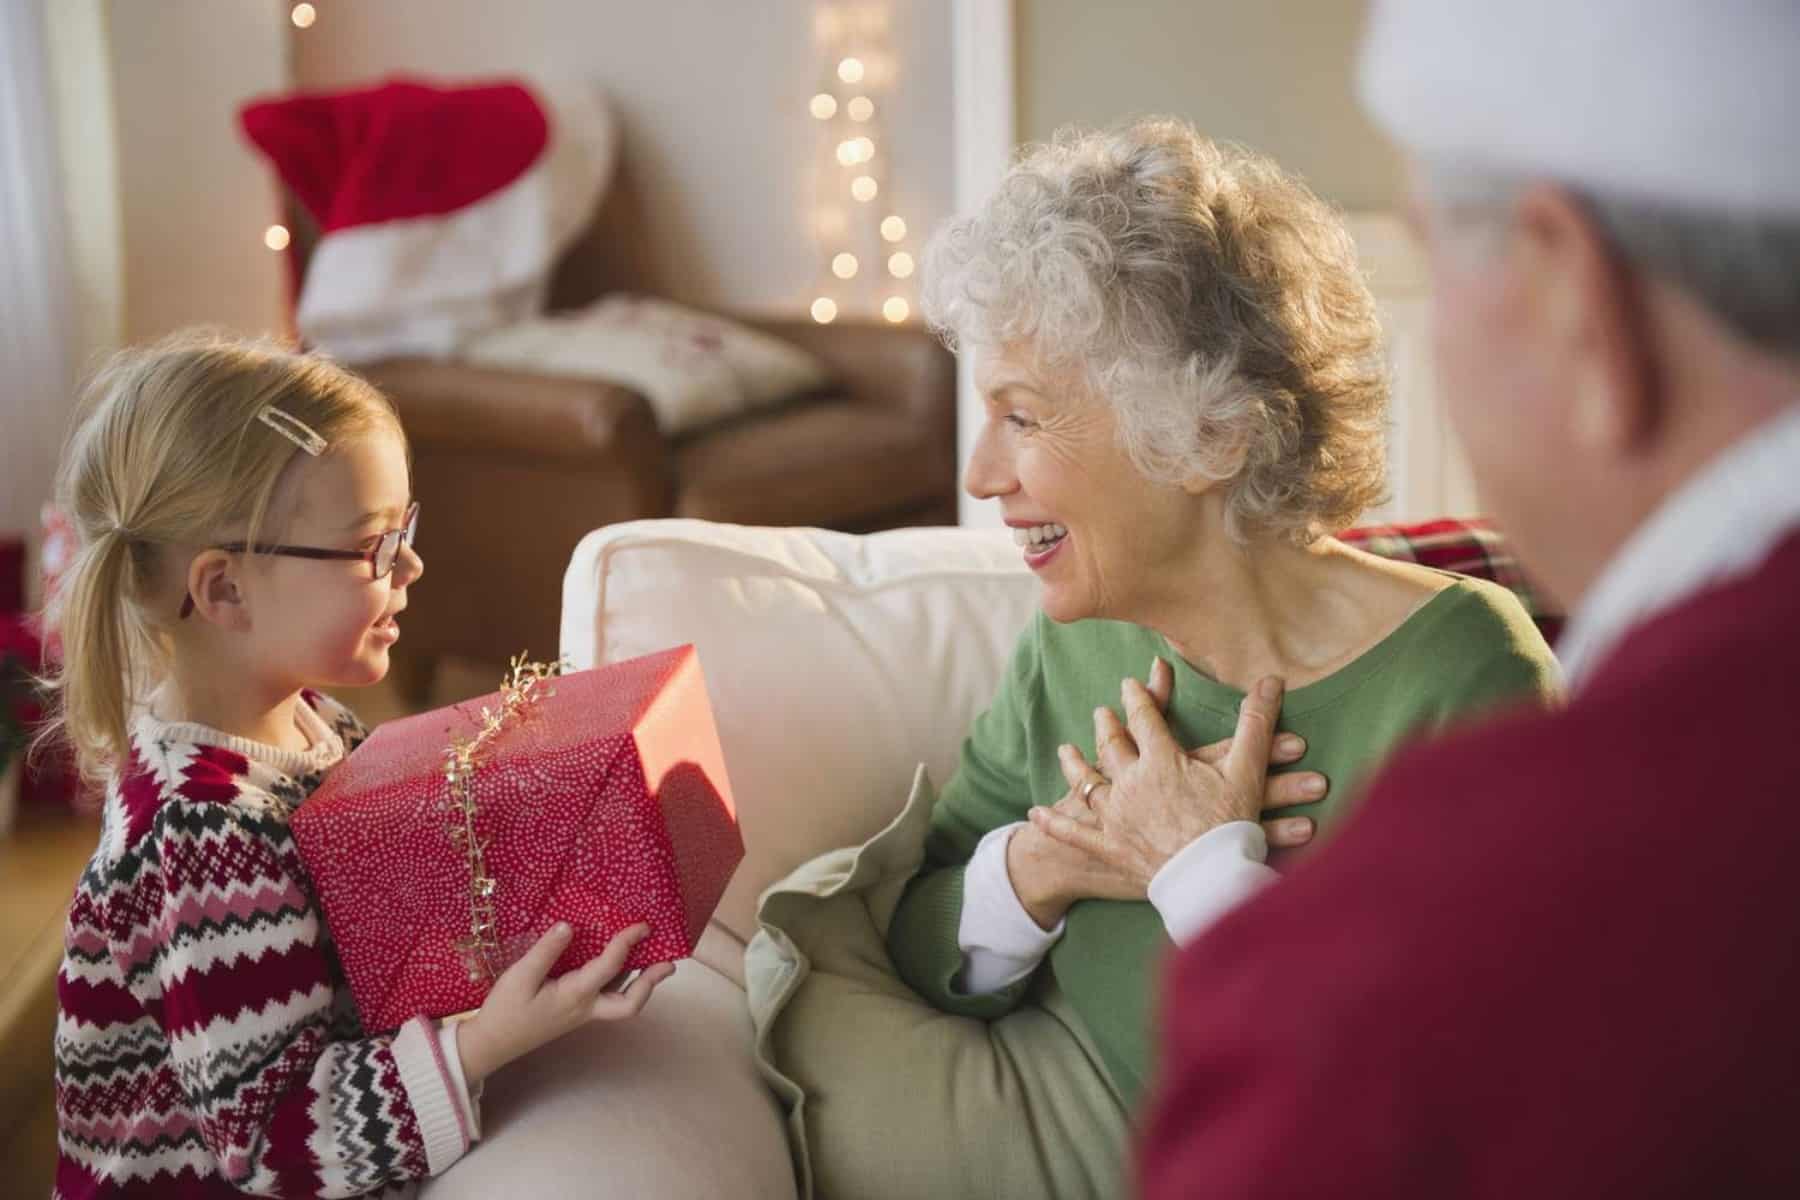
x=100, y=652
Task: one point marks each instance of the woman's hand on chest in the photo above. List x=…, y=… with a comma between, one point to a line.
x=1149, y=798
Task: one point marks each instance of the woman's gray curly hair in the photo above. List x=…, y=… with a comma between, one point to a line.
x=1208, y=295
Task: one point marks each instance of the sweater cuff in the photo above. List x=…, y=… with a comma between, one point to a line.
x=1209, y=877
x=1001, y=944
x=431, y=1089
x=469, y=1099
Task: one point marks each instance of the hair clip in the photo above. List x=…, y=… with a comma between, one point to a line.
x=293, y=429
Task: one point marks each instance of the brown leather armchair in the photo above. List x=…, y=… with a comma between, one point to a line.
x=512, y=468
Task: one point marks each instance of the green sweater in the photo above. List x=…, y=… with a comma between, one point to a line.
x=1467, y=648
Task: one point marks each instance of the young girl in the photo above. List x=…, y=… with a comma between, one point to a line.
x=246, y=533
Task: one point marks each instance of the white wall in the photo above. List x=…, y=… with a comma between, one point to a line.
x=1428, y=474
x=36, y=337
x=194, y=199
x=984, y=52
x=88, y=142
x=1275, y=74
x=711, y=95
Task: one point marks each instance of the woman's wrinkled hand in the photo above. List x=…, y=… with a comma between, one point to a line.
x=1050, y=873
x=1150, y=799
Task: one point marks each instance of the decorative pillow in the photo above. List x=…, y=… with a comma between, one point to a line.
x=694, y=368
x=886, y=1096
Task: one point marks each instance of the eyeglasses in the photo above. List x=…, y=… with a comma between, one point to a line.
x=380, y=557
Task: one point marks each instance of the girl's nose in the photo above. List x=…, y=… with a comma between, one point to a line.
x=408, y=566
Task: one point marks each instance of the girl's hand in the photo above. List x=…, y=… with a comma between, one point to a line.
x=1153, y=798
x=525, y=1011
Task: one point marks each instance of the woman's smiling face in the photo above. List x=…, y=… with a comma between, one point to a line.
x=1088, y=522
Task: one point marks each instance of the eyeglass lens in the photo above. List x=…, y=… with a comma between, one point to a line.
x=388, y=549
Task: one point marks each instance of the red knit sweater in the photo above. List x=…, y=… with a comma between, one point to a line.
x=1553, y=957
x=206, y=1045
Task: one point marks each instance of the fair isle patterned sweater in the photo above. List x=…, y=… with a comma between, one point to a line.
x=206, y=1044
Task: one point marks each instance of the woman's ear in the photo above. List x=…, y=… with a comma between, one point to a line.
x=212, y=582
x=1230, y=461
x=1197, y=484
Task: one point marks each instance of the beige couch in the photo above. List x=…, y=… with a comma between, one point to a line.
x=836, y=664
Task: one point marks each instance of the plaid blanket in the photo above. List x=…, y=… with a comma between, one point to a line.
x=1470, y=546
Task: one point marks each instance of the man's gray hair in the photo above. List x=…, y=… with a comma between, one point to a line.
x=1209, y=297
x=1743, y=268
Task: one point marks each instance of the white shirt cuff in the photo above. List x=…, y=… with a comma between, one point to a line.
x=1000, y=942
x=1209, y=877
x=469, y=1099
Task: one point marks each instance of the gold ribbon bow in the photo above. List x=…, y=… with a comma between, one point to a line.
x=524, y=684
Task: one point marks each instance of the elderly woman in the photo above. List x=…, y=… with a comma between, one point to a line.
x=1185, y=399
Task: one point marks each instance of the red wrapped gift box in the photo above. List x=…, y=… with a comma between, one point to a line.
x=602, y=801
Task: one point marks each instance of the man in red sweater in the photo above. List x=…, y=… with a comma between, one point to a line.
x=1555, y=956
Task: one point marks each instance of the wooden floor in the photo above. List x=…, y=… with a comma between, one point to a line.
x=39, y=865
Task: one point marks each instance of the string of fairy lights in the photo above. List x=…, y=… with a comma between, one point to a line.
x=849, y=116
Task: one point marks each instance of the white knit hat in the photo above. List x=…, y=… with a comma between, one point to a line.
x=1696, y=102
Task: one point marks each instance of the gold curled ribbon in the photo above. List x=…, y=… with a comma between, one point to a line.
x=523, y=686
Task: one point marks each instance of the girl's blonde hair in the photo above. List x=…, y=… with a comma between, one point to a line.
x=169, y=450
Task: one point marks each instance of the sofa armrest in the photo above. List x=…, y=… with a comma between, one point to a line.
x=901, y=368
x=462, y=406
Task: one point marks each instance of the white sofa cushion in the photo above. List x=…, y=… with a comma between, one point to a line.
x=836, y=663
x=666, y=1104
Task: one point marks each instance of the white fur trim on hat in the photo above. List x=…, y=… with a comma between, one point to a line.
x=1689, y=102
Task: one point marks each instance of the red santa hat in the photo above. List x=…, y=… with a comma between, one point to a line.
x=441, y=210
